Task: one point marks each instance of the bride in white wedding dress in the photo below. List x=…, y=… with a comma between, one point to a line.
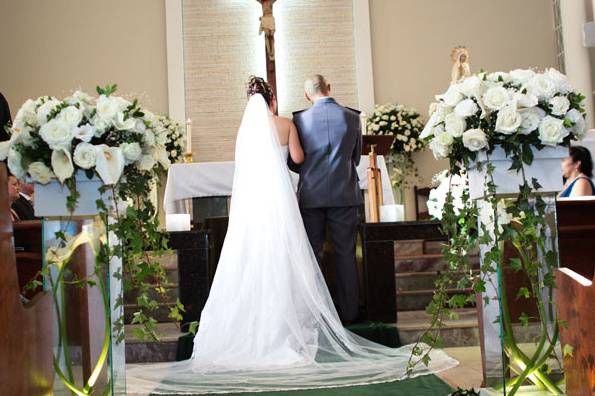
x=269, y=322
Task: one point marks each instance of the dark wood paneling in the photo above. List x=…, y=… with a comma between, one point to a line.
x=25, y=331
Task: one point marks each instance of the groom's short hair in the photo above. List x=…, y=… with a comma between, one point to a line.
x=316, y=85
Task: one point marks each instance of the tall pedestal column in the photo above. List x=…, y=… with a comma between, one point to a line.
x=576, y=57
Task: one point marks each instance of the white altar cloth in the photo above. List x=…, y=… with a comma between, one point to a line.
x=211, y=179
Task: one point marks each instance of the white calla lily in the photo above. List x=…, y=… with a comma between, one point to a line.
x=62, y=164
x=109, y=163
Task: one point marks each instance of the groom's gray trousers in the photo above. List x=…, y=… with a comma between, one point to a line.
x=328, y=191
x=342, y=223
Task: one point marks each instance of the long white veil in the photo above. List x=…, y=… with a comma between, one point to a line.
x=270, y=323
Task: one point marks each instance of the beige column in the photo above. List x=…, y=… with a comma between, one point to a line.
x=576, y=57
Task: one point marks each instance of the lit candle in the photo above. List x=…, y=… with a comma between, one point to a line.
x=188, y=135
x=364, y=121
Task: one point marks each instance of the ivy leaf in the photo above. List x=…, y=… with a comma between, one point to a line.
x=426, y=359
x=516, y=264
x=193, y=328
x=568, y=350
x=524, y=319
x=535, y=183
x=527, y=155
x=523, y=293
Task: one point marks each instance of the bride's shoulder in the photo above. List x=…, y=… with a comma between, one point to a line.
x=283, y=120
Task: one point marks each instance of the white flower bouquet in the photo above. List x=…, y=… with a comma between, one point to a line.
x=54, y=138
x=522, y=108
x=175, y=144
x=406, y=125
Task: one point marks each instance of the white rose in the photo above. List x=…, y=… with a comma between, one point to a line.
x=496, y=97
x=542, y=86
x=108, y=107
x=531, y=119
x=471, y=86
x=70, y=116
x=62, y=164
x=521, y=76
x=383, y=123
x=498, y=77
x=124, y=125
x=85, y=132
x=160, y=155
x=14, y=162
x=560, y=80
x=393, y=118
x=146, y=163
x=441, y=145
x=131, y=151
x=45, y=109
x=475, y=139
x=56, y=134
x=552, y=131
x=140, y=126
x=151, y=137
x=85, y=155
x=466, y=108
x=101, y=125
x=452, y=96
x=26, y=114
x=525, y=100
x=579, y=128
x=509, y=119
x=40, y=173
x=559, y=105
x=455, y=125
x=385, y=117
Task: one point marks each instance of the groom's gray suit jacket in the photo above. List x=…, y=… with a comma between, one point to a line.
x=331, y=138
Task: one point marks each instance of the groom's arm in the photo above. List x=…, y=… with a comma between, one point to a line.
x=290, y=164
x=357, y=151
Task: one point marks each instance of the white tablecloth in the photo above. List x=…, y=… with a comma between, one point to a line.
x=211, y=179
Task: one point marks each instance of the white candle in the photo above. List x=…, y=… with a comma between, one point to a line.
x=364, y=121
x=189, y=135
x=177, y=222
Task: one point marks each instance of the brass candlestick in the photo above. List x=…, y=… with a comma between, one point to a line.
x=188, y=158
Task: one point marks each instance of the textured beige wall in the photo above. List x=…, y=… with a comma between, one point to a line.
x=222, y=48
x=315, y=36
x=53, y=47
x=412, y=40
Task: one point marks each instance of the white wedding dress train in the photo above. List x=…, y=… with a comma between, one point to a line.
x=269, y=322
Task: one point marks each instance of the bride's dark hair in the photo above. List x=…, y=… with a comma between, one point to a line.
x=257, y=85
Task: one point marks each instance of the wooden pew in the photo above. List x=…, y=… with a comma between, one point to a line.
x=575, y=292
x=28, y=247
x=25, y=331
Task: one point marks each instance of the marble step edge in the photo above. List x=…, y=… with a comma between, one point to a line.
x=431, y=273
x=406, y=293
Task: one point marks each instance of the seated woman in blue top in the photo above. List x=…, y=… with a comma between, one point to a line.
x=577, y=169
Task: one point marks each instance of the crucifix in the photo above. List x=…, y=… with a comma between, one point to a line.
x=267, y=26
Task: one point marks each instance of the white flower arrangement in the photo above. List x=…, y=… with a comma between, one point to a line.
x=522, y=107
x=406, y=125
x=175, y=144
x=54, y=138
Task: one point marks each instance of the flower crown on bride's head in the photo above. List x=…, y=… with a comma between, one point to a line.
x=257, y=85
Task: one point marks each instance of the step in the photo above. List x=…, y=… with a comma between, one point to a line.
x=172, y=292
x=463, y=331
x=416, y=300
x=160, y=314
x=417, y=246
x=151, y=351
x=422, y=280
x=429, y=262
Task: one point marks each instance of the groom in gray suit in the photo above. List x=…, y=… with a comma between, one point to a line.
x=328, y=190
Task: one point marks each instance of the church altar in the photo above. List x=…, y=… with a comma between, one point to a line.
x=215, y=179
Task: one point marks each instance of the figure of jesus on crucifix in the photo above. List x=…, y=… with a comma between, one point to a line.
x=267, y=26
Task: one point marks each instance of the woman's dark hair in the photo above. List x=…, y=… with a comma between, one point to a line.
x=257, y=85
x=582, y=154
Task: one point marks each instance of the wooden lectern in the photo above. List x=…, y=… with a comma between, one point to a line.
x=575, y=292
